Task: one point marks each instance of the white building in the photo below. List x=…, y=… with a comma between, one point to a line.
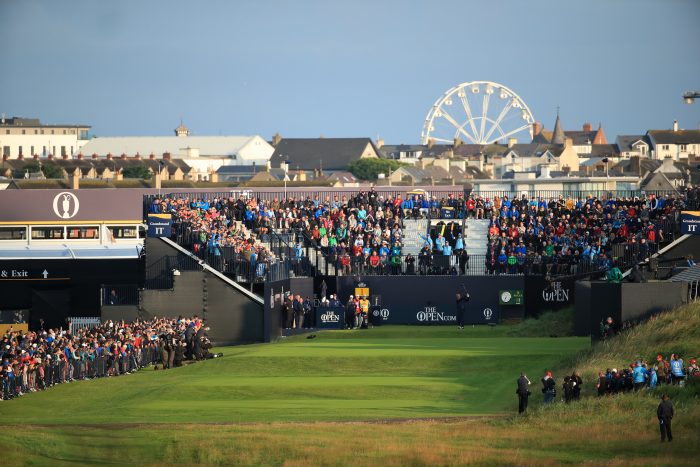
x=28, y=136
x=204, y=154
x=676, y=144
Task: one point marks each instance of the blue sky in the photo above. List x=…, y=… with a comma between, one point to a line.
x=339, y=69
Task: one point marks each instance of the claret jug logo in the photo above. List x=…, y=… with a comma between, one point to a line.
x=66, y=205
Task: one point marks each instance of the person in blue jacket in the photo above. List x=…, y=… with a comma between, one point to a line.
x=639, y=374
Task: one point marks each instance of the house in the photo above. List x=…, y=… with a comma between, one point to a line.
x=272, y=175
x=203, y=154
x=29, y=137
x=322, y=154
x=634, y=145
x=582, y=140
x=238, y=173
x=677, y=144
x=343, y=179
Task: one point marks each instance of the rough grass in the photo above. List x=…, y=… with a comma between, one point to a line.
x=549, y=324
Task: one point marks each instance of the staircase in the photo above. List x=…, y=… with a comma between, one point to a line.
x=477, y=236
x=412, y=242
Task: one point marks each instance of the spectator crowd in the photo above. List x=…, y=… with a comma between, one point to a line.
x=362, y=232
x=35, y=361
x=642, y=374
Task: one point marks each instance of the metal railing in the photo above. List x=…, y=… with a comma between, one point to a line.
x=115, y=295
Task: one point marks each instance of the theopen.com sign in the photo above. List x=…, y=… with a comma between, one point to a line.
x=429, y=314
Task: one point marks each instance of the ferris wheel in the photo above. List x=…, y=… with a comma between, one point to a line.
x=468, y=112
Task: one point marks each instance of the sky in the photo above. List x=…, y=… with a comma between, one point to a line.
x=360, y=68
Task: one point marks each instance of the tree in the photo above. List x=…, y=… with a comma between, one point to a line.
x=52, y=171
x=137, y=171
x=369, y=168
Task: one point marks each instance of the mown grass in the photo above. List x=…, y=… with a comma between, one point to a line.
x=272, y=405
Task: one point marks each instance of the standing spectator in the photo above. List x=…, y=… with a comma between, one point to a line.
x=665, y=414
x=548, y=388
x=523, y=392
x=677, y=373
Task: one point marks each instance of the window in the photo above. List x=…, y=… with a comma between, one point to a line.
x=52, y=132
x=123, y=231
x=24, y=132
x=20, y=150
x=6, y=151
x=7, y=132
x=63, y=150
x=83, y=232
x=664, y=147
x=42, y=132
x=13, y=233
x=48, y=233
x=64, y=132
x=683, y=148
x=36, y=132
x=43, y=151
x=32, y=148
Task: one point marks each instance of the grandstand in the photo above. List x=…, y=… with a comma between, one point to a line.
x=233, y=256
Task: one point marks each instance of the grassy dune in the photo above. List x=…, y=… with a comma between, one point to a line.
x=345, y=397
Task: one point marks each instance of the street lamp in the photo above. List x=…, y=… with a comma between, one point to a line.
x=690, y=96
x=284, y=161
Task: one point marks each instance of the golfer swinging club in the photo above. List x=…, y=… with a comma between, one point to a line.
x=462, y=300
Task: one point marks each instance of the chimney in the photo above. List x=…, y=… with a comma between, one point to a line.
x=36, y=157
x=166, y=156
x=4, y=157
x=587, y=127
x=109, y=156
x=151, y=156
x=675, y=125
x=536, y=129
x=457, y=142
x=512, y=142
x=49, y=157
x=94, y=155
x=213, y=176
x=123, y=156
x=64, y=157
x=380, y=143
x=276, y=138
x=75, y=179
x=568, y=142
x=80, y=156
x=137, y=156
x=157, y=180
x=268, y=164
x=544, y=171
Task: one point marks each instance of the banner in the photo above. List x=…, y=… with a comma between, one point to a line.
x=690, y=222
x=159, y=225
x=543, y=295
x=432, y=299
x=328, y=317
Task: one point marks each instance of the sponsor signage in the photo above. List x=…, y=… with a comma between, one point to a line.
x=159, y=225
x=330, y=317
x=690, y=222
x=511, y=297
x=28, y=274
